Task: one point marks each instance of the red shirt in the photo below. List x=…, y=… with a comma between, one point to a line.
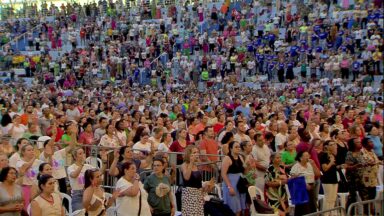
x=60, y=133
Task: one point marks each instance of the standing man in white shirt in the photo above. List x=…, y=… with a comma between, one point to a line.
x=261, y=154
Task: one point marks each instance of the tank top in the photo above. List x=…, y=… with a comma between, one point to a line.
x=48, y=209
x=101, y=207
x=194, y=181
x=236, y=166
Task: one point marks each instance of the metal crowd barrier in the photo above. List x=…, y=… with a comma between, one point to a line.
x=93, y=158
x=370, y=207
x=338, y=211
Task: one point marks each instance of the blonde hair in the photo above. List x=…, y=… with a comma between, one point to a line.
x=188, y=152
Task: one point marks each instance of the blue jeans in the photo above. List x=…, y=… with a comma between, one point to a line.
x=77, y=200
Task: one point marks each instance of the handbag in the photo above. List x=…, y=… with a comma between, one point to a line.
x=262, y=208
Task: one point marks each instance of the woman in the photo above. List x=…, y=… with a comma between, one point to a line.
x=11, y=198
x=158, y=186
x=338, y=123
x=16, y=129
x=275, y=180
x=232, y=168
x=329, y=178
x=166, y=142
x=227, y=138
x=94, y=201
x=132, y=199
x=121, y=132
x=76, y=177
x=192, y=198
x=110, y=139
x=86, y=137
x=125, y=154
x=289, y=154
x=369, y=173
x=144, y=145
x=250, y=167
x=48, y=202
x=307, y=168
x=28, y=167
x=3, y=161
x=46, y=169
x=180, y=144
x=324, y=131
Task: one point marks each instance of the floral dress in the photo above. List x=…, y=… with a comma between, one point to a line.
x=277, y=196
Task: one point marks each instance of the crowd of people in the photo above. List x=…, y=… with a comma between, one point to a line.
x=261, y=92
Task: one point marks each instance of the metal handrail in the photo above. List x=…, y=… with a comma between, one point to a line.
x=360, y=206
x=340, y=211
x=21, y=35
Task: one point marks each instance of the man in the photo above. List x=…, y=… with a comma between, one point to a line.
x=157, y=134
x=99, y=132
x=72, y=112
x=349, y=119
x=244, y=108
x=261, y=154
x=209, y=146
x=281, y=136
x=240, y=136
x=45, y=121
x=27, y=116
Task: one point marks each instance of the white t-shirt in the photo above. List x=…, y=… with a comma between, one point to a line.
x=30, y=176
x=307, y=172
x=163, y=147
x=17, y=132
x=13, y=159
x=324, y=81
x=127, y=205
x=142, y=147
x=77, y=183
x=280, y=139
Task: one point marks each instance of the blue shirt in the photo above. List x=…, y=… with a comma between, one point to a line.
x=356, y=65
x=245, y=110
x=377, y=145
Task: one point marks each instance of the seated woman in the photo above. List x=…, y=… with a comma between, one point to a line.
x=48, y=202
x=94, y=201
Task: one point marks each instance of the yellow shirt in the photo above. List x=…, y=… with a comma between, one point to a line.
x=377, y=56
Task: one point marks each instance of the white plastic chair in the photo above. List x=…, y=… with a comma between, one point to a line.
x=111, y=211
x=94, y=161
x=29, y=209
x=380, y=175
x=69, y=199
x=80, y=212
x=218, y=190
x=253, y=191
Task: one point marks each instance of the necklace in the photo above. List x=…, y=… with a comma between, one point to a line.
x=52, y=201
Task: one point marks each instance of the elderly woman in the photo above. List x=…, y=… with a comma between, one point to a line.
x=275, y=180
x=307, y=168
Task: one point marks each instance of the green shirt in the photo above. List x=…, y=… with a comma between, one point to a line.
x=288, y=158
x=66, y=138
x=160, y=205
